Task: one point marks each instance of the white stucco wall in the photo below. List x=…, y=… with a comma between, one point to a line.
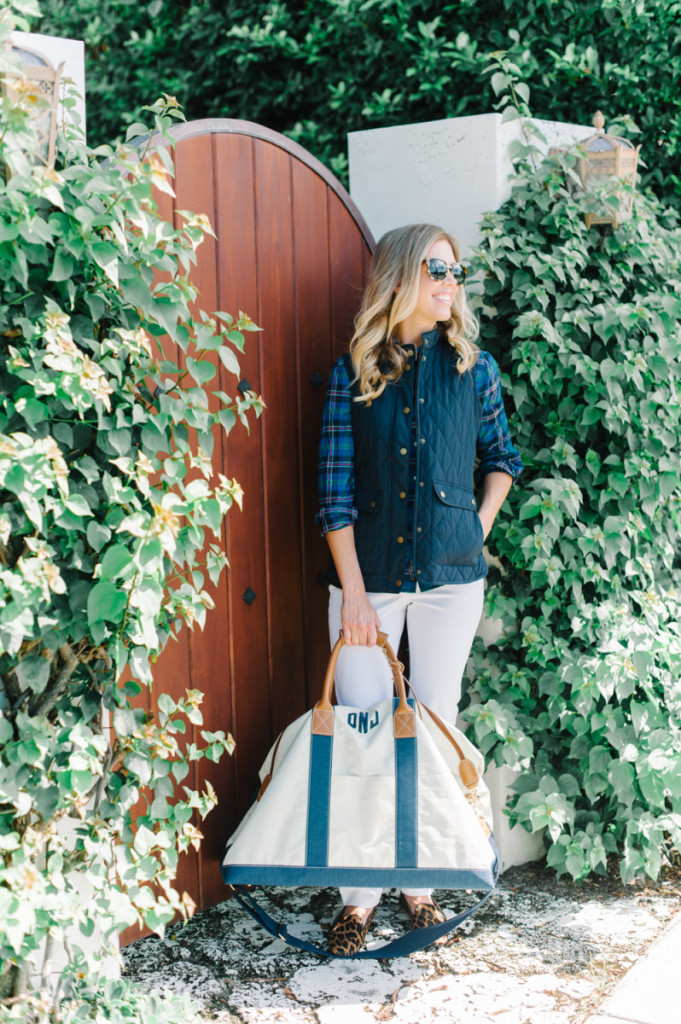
x=446, y=172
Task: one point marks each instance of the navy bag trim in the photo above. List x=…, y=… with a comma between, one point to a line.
x=406, y=801
x=319, y=801
x=365, y=878
x=414, y=940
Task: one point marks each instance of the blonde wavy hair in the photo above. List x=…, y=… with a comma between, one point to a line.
x=397, y=262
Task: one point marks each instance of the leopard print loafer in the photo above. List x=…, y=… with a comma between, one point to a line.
x=347, y=934
x=424, y=914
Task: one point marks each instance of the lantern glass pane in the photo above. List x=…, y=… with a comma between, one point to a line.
x=28, y=57
x=600, y=144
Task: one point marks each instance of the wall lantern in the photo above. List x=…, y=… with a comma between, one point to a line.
x=36, y=89
x=608, y=158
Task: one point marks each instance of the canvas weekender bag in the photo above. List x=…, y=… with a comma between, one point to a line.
x=387, y=796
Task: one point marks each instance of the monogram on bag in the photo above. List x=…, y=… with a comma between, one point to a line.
x=388, y=796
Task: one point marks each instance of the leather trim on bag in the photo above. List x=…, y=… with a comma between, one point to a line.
x=322, y=722
x=405, y=724
x=468, y=773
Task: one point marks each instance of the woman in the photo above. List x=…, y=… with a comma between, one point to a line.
x=408, y=410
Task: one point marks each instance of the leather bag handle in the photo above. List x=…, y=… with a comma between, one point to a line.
x=322, y=713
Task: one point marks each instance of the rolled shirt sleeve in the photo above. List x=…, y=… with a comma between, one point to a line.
x=337, y=456
x=495, y=449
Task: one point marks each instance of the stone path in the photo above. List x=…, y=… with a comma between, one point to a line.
x=650, y=993
x=541, y=951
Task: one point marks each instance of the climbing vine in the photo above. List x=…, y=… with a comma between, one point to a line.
x=581, y=692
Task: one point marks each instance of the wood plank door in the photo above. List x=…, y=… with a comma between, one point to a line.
x=292, y=251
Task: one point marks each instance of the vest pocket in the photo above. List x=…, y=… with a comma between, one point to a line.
x=370, y=547
x=456, y=531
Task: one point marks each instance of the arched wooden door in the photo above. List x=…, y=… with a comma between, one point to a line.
x=292, y=251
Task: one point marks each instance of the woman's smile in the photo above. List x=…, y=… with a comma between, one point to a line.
x=445, y=297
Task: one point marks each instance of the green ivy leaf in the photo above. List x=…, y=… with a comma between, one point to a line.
x=116, y=562
x=229, y=360
x=201, y=370
x=106, y=603
x=33, y=673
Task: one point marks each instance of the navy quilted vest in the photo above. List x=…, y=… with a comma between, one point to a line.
x=447, y=530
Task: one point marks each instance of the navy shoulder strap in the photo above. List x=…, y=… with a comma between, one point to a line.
x=414, y=940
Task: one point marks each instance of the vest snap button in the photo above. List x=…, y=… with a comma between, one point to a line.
x=423, y=440
x=420, y=483
x=419, y=529
x=472, y=501
x=406, y=409
x=398, y=583
x=403, y=494
x=408, y=366
x=442, y=494
x=400, y=540
x=418, y=572
x=372, y=504
x=403, y=451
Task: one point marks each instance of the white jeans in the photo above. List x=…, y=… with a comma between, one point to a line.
x=441, y=625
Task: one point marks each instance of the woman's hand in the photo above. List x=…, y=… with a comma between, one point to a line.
x=487, y=522
x=495, y=487
x=359, y=618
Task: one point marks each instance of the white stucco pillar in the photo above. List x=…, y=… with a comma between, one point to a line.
x=445, y=172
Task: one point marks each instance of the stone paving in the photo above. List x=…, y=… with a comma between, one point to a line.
x=650, y=993
x=541, y=951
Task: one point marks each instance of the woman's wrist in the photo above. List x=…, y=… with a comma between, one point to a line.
x=351, y=579
x=354, y=588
